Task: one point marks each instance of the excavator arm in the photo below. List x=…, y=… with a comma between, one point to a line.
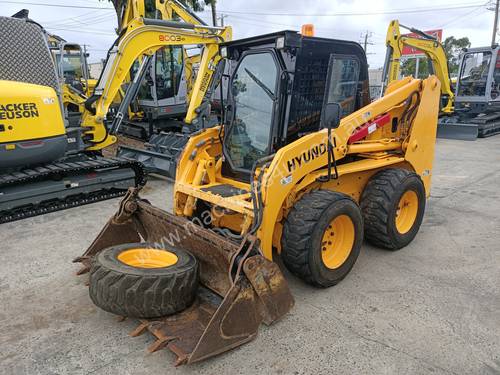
x=169, y=10
x=432, y=48
x=143, y=38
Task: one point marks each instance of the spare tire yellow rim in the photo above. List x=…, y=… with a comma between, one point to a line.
x=337, y=241
x=407, y=211
x=148, y=258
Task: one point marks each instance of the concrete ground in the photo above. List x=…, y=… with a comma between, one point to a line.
x=433, y=307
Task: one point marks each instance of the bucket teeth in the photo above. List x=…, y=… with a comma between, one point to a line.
x=141, y=329
x=182, y=356
x=83, y=270
x=160, y=343
x=85, y=261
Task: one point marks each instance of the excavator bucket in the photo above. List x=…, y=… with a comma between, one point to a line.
x=239, y=290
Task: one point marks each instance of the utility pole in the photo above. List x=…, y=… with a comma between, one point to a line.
x=221, y=18
x=367, y=42
x=495, y=24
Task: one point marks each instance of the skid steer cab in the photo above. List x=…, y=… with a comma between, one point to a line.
x=304, y=167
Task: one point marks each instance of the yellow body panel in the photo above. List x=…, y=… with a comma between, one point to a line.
x=284, y=181
x=29, y=112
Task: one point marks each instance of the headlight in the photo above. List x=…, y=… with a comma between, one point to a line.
x=223, y=52
x=280, y=42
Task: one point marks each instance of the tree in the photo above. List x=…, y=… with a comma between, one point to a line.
x=409, y=67
x=195, y=5
x=453, y=48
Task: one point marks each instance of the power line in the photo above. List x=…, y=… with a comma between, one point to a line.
x=80, y=21
x=56, y=5
x=86, y=31
x=371, y=13
x=346, y=14
x=468, y=15
x=256, y=22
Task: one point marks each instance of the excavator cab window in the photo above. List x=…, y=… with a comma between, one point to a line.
x=495, y=84
x=169, y=63
x=163, y=79
x=72, y=65
x=474, y=74
x=253, y=96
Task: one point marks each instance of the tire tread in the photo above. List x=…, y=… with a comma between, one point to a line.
x=141, y=296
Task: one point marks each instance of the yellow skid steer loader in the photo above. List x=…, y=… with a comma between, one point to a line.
x=303, y=167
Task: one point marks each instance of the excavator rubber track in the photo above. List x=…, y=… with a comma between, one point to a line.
x=65, y=184
x=488, y=124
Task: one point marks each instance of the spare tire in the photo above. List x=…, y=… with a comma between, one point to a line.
x=141, y=281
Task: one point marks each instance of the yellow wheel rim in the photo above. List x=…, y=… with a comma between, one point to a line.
x=337, y=241
x=148, y=258
x=407, y=211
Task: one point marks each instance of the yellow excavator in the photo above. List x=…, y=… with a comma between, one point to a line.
x=471, y=109
x=72, y=72
x=74, y=75
x=46, y=166
x=161, y=103
x=303, y=167
x=434, y=51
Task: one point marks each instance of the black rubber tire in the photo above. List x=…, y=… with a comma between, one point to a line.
x=379, y=203
x=303, y=232
x=142, y=292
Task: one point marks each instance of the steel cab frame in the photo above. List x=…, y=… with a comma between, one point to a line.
x=475, y=104
x=298, y=96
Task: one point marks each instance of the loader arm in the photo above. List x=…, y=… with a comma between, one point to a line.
x=299, y=166
x=143, y=38
x=432, y=48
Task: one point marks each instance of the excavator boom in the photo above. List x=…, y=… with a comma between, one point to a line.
x=144, y=37
x=433, y=49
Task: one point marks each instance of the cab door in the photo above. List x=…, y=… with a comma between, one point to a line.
x=253, y=100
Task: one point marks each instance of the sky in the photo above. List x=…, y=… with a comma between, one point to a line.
x=340, y=19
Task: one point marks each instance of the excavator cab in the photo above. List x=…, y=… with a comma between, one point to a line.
x=74, y=77
x=478, y=83
x=269, y=107
x=163, y=91
x=477, y=96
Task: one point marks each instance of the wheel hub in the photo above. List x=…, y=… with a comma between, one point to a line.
x=148, y=258
x=407, y=211
x=337, y=241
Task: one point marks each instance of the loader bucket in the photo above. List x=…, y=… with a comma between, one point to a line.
x=239, y=290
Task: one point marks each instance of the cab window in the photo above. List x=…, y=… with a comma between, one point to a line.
x=253, y=91
x=474, y=74
x=344, y=83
